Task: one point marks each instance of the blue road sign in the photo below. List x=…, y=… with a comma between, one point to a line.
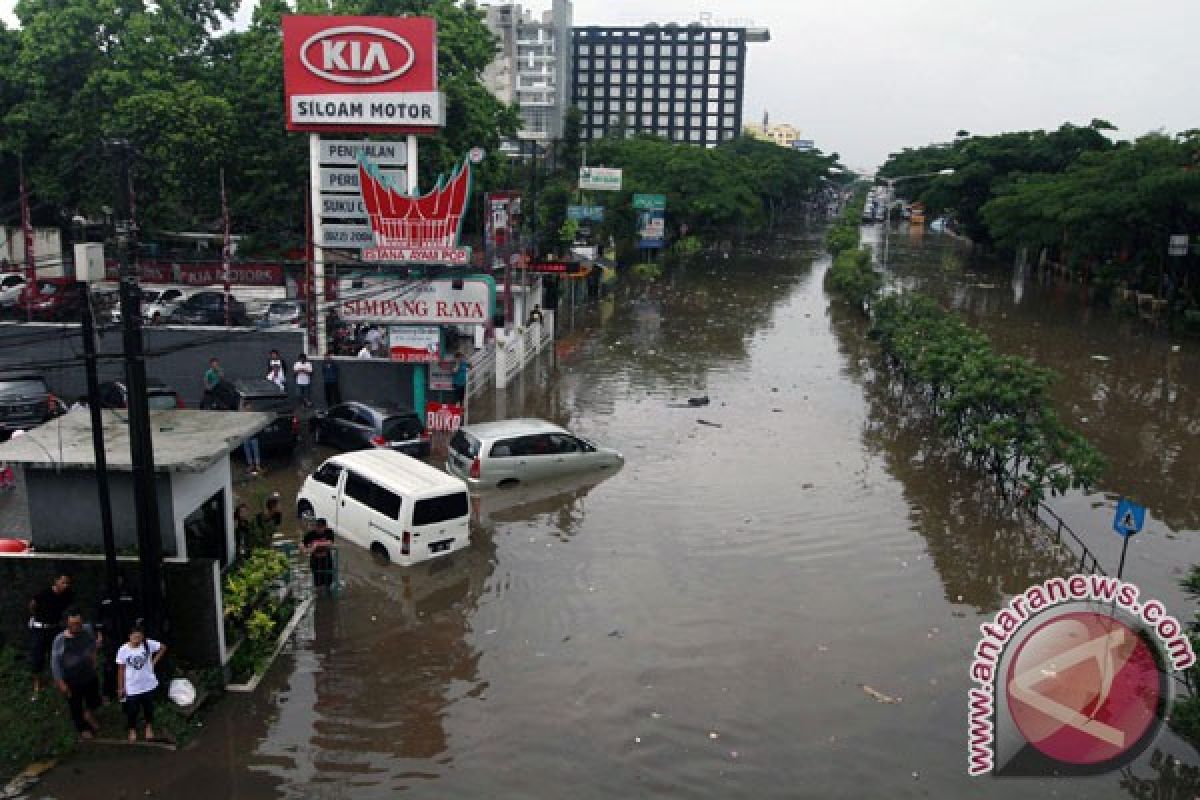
x=1129, y=519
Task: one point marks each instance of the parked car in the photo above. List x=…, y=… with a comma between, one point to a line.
x=208, y=308
x=513, y=451
x=53, y=299
x=400, y=509
x=159, y=396
x=259, y=394
x=25, y=401
x=11, y=286
x=159, y=304
x=284, y=312
x=358, y=426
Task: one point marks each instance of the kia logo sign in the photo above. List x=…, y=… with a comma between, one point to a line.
x=357, y=55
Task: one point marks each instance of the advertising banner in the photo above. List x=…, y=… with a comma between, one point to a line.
x=345, y=152
x=413, y=229
x=249, y=274
x=443, y=417
x=651, y=220
x=415, y=344
x=361, y=74
x=441, y=376
x=650, y=202
x=503, y=217
x=586, y=213
x=600, y=179
x=435, y=302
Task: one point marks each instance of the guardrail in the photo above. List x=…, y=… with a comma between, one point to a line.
x=1087, y=559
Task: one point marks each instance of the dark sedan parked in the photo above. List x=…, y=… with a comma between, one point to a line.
x=208, y=308
x=159, y=396
x=358, y=426
x=259, y=394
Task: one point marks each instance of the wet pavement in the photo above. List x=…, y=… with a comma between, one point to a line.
x=703, y=622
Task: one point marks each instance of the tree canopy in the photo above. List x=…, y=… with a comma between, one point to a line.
x=193, y=100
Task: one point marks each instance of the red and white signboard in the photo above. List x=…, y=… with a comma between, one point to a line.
x=415, y=344
x=361, y=74
x=415, y=230
x=434, y=302
x=443, y=416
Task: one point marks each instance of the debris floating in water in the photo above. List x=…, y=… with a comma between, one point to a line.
x=1100, y=358
x=879, y=696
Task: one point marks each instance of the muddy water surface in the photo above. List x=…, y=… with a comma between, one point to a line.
x=707, y=621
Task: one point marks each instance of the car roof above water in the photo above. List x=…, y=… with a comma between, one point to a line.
x=399, y=473
x=511, y=427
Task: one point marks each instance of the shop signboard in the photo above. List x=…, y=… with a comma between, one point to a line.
x=651, y=220
x=441, y=376
x=415, y=344
x=586, y=213
x=599, y=179
x=443, y=417
x=468, y=301
x=357, y=74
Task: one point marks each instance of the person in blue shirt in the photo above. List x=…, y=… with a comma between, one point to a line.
x=461, y=367
x=329, y=375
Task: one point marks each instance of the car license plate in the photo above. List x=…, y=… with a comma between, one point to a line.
x=441, y=547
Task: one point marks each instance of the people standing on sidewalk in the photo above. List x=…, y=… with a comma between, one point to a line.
x=212, y=376
x=276, y=370
x=46, y=610
x=329, y=374
x=136, y=681
x=73, y=664
x=303, y=370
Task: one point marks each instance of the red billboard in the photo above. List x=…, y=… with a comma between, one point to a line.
x=249, y=274
x=361, y=74
x=443, y=417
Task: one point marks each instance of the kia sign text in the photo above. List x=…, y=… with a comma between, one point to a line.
x=361, y=74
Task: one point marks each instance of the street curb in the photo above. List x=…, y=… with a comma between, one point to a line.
x=288, y=630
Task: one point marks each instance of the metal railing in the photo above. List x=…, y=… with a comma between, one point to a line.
x=1057, y=526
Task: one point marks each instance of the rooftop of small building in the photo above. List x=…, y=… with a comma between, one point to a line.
x=185, y=440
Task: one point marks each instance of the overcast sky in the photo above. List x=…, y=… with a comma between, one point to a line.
x=867, y=77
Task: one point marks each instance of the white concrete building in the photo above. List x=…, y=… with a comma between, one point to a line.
x=532, y=68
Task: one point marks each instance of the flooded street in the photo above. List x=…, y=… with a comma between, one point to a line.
x=721, y=617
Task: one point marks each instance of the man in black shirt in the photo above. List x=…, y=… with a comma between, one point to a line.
x=73, y=664
x=317, y=544
x=46, y=609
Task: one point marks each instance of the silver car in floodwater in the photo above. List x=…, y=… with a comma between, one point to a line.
x=514, y=451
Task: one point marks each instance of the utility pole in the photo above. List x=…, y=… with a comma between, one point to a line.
x=141, y=446
x=27, y=233
x=88, y=326
x=225, y=250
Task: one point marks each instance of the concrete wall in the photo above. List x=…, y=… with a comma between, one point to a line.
x=64, y=511
x=184, y=357
x=192, y=489
x=370, y=380
x=193, y=603
x=176, y=356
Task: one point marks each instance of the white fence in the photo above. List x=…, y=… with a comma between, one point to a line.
x=502, y=360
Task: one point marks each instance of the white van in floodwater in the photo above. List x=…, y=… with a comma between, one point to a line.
x=395, y=506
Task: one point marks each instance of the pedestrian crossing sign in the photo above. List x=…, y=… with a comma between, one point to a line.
x=1129, y=518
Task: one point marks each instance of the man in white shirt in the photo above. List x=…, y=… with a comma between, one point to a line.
x=303, y=370
x=365, y=352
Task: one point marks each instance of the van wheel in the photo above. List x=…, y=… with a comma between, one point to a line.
x=508, y=483
x=381, y=554
x=305, y=511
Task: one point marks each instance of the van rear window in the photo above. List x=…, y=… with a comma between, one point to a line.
x=433, y=510
x=464, y=444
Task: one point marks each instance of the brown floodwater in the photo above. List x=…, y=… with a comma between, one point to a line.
x=703, y=622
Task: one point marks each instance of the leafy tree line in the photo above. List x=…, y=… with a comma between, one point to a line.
x=994, y=408
x=1105, y=209
x=192, y=100
x=742, y=187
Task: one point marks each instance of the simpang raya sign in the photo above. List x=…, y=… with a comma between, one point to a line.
x=435, y=302
x=361, y=74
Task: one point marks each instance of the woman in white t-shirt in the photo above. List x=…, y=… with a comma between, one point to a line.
x=136, y=680
x=303, y=370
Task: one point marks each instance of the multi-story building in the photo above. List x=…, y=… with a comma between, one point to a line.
x=782, y=134
x=684, y=83
x=532, y=67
